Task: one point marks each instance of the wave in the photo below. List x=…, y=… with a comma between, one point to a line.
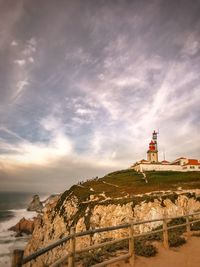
x=8, y=241
x=10, y=217
x=17, y=215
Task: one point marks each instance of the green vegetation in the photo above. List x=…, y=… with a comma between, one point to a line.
x=175, y=235
x=177, y=221
x=195, y=226
x=145, y=249
x=142, y=248
x=196, y=234
x=143, y=245
x=176, y=240
x=127, y=183
x=122, y=187
x=130, y=182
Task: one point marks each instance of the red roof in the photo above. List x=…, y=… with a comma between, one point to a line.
x=193, y=162
x=165, y=161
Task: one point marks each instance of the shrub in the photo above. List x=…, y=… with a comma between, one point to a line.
x=117, y=246
x=154, y=237
x=195, y=226
x=142, y=248
x=176, y=240
x=91, y=258
x=196, y=234
x=178, y=230
x=177, y=221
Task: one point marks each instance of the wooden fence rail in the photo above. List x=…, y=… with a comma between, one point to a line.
x=18, y=260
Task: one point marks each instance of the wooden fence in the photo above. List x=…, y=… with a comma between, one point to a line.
x=18, y=260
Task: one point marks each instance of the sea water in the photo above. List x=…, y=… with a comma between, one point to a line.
x=12, y=208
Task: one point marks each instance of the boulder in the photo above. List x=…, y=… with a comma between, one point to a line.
x=35, y=205
x=24, y=226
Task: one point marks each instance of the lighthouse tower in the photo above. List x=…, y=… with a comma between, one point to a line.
x=152, y=153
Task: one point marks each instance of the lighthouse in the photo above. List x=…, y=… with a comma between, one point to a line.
x=152, y=153
x=181, y=164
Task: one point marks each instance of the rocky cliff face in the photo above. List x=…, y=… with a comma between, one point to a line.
x=94, y=212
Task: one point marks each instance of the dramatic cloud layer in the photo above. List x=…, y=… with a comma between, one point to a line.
x=84, y=83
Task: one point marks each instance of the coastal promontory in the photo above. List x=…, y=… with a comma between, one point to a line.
x=114, y=199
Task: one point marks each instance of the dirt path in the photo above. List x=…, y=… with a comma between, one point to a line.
x=186, y=256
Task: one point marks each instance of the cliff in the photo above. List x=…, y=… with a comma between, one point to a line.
x=113, y=200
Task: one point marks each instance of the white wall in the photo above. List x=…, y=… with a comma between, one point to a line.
x=159, y=167
x=191, y=168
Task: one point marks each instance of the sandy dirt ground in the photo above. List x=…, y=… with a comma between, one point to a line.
x=187, y=255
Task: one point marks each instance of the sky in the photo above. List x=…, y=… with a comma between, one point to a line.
x=84, y=83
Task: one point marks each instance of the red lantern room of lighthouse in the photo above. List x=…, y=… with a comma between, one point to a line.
x=152, y=146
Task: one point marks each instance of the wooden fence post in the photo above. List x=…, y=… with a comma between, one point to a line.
x=72, y=247
x=131, y=245
x=165, y=234
x=188, y=226
x=17, y=258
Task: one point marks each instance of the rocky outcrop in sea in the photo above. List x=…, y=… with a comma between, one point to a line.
x=24, y=226
x=35, y=205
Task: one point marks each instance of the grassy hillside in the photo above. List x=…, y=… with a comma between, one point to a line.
x=123, y=187
x=127, y=183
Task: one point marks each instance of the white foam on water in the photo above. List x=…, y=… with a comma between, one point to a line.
x=8, y=241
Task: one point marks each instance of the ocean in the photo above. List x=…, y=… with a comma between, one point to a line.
x=12, y=208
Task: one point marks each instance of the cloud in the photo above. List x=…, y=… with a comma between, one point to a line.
x=37, y=153
x=30, y=47
x=31, y=59
x=42, y=154
x=20, y=62
x=8, y=19
x=27, y=53
x=22, y=72
x=11, y=133
x=192, y=45
x=14, y=43
x=51, y=123
x=82, y=111
x=82, y=97
x=78, y=54
x=21, y=85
